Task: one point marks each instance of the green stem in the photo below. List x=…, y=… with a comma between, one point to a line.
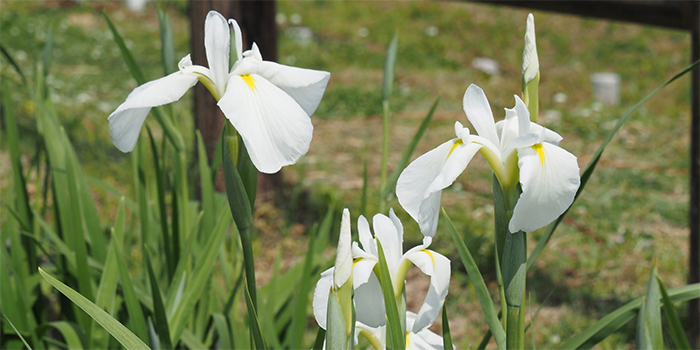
x=385, y=152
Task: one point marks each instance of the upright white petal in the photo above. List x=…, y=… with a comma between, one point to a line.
x=126, y=121
x=419, y=186
x=238, y=38
x=217, y=44
x=343, y=257
x=306, y=86
x=478, y=111
x=531, y=64
x=321, y=295
x=365, y=235
x=275, y=129
x=423, y=339
x=549, y=176
x=437, y=267
x=391, y=239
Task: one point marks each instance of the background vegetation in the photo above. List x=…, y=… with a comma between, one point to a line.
x=635, y=209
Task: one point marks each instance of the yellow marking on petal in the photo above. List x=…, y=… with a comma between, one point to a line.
x=540, y=151
x=249, y=80
x=430, y=255
x=355, y=261
x=455, y=145
x=407, y=341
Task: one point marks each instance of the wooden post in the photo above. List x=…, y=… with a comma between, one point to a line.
x=694, y=267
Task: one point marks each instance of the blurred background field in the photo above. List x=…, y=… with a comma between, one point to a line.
x=635, y=209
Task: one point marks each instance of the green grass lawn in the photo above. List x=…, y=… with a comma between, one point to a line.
x=635, y=209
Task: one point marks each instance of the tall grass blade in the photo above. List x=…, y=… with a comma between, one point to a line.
x=223, y=330
x=137, y=321
x=674, y=323
x=207, y=187
x=47, y=53
x=70, y=334
x=408, y=151
x=17, y=332
x=618, y=318
x=649, y=333
x=588, y=171
x=253, y=321
x=479, y=285
x=134, y=68
x=301, y=300
x=395, y=336
x=446, y=335
x=387, y=87
x=167, y=47
x=365, y=186
x=13, y=63
x=162, y=207
x=117, y=330
x=320, y=337
x=201, y=275
x=161, y=325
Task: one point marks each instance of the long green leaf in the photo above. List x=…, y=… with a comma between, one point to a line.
x=207, y=186
x=161, y=325
x=137, y=321
x=253, y=321
x=395, y=338
x=479, y=285
x=674, y=323
x=201, y=275
x=585, y=176
x=70, y=334
x=446, y=335
x=223, y=329
x=387, y=87
x=618, y=318
x=17, y=332
x=408, y=151
x=167, y=47
x=649, y=334
x=117, y=330
x=13, y=63
x=134, y=68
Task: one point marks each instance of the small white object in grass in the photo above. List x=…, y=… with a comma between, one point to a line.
x=486, y=65
x=555, y=339
x=290, y=60
x=432, y=31
x=280, y=18
x=597, y=106
x=301, y=35
x=20, y=55
x=560, y=97
x=363, y=32
x=585, y=112
x=136, y=5
x=295, y=19
x=606, y=87
x=551, y=116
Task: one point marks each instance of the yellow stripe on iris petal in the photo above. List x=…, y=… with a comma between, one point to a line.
x=430, y=254
x=249, y=80
x=455, y=145
x=540, y=151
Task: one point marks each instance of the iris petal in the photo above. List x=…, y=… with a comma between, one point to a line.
x=305, y=86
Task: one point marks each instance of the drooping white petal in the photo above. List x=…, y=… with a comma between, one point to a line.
x=423, y=339
x=391, y=240
x=306, y=86
x=362, y=270
x=217, y=45
x=126, y=121
x=419, y=186
x=549, y=176
x=275, y=129
x=343, y=257
x=321, y=295
x=478, y=111
x=369, y=303
x=437, y=267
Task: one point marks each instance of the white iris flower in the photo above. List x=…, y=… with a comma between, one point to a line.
x=369, y=300
x=515, y=148
x=268, y=103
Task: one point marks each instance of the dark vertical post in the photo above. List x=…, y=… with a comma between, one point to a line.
x=694, y=267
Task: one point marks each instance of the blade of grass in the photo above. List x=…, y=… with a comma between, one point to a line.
x=137, y=321
x=588, y=171
x=161, y=325
x=649, y=333
x=70, y=334
x=395, y=336
x=255, y=331
x=163, y=209
x=677, y=332
x=17, y=332
x=207, y=187
x=387, y=87
x=167, y=47
x=446, y=335
x=117, y=330
x=618, y=318
x=223, y=330
x=13, y=63
x=479, y=285
x=408, y=151
x=320, y=337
